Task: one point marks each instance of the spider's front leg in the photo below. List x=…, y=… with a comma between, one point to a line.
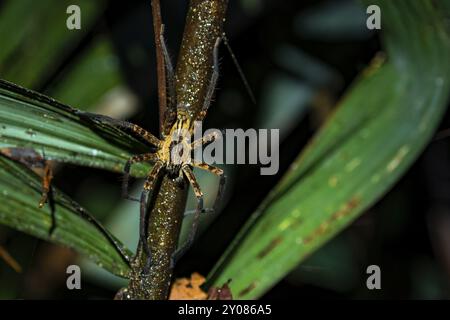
x=195, y=220
x=212, y=83
x=134, y=128
x=210, y=137
x=150, y=157
x=147, y=190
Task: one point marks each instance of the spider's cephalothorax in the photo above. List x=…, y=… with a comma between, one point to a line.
x=175, y=149
x=173, y=154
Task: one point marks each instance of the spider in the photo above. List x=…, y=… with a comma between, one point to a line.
x=173, y=152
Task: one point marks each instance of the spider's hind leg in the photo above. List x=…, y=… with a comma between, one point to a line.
x=195, y=220
x=134, y=128
x=222, y=179
x=126, y=177
x=143, y=236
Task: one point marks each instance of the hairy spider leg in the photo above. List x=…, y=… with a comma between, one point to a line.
x=215, y=170
x=143, y=234
x=239, y=69
x=195, y=220
x=210, y=137
x=150, y=157
x=135, y=129
x=171, y=111
x=212, y=83
x=222, y=179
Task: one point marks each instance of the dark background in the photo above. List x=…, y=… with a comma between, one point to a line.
x=299, y=58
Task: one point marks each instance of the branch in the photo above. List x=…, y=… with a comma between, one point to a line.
x=160, y=66
x=204, y=24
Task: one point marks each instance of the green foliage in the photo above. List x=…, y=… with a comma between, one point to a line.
x=57, y=132
x=39, y=40
x=73, y=227
x=28, y=119
x=379, y=129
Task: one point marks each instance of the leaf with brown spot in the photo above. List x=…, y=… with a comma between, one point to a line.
x=247, y=290
x=378, y=130
x=272, y=245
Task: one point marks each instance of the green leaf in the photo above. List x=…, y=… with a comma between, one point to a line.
x=36, y=40
x=379, y=129
x=74, y=227
x=89, y=77
x=29, y=119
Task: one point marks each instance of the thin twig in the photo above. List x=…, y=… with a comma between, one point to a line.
x=10, y=260
x=160, y=67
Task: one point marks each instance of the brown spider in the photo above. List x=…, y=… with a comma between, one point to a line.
x=173, y=152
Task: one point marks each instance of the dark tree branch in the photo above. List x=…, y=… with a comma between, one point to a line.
x=160, y=67
x=204, y=24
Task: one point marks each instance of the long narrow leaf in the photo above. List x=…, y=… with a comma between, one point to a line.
x=379, y=129
x=20, y=191
x=36, y=40
x=29, y=119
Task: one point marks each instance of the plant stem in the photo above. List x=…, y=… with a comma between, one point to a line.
x=204, y=24
x=164, y=227
x=160, y=66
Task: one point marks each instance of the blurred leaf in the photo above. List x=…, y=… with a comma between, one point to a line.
x=285, y=101
x=89, y=77
x=35, y=38
x=314, y=71
x=74, y=227
x=122, y=221
x=379, y=129
x=431, y=283
x=334, y=266
x=333, y=21
x=28, y=119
